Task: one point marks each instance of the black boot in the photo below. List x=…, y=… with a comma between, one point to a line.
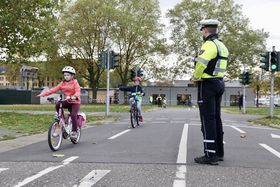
x=207, y=160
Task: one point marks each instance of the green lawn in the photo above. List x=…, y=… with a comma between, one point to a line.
x=23, y=124
x=252, y=110
x=262, y=111
x=84, y=108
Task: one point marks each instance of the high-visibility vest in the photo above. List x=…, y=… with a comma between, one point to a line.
x=212, y=62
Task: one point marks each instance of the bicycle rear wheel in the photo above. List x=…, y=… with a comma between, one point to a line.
x=55, y=136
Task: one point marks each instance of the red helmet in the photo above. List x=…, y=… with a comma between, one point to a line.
x=137, y=79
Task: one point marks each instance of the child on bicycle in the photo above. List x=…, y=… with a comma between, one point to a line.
x=139, y=93
x=72, y=91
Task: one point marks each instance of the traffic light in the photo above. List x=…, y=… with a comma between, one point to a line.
x=264, y=61
x=114, y=59
x=248, y=78
x=275, y=61
x=242, y=78
x=102, y=59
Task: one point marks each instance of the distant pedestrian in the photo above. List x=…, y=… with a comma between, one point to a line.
x=240, y=102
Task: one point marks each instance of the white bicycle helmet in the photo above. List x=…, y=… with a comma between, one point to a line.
x=69, y=69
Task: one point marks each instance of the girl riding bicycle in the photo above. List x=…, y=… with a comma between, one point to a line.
x=72, y=91
x=139, y=93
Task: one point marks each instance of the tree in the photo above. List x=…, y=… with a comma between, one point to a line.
x=136, y=35
x=27, y=28
x=83, y=32
x=243, y=42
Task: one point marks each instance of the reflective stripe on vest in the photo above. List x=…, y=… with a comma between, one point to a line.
x=218, y=68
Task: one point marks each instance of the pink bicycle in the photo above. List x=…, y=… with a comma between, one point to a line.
x=62, y=127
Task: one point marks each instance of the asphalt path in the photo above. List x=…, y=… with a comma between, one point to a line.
x=159, y=152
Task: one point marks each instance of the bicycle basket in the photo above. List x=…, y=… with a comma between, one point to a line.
x=81, y=119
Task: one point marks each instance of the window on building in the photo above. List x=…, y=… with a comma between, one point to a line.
x=183, y=99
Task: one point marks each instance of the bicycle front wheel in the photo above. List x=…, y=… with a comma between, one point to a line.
x=55, y=136
x=132, y=117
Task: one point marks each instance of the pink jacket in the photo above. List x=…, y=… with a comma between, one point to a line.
x=71, y=88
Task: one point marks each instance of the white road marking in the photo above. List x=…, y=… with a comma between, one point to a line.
x=178, y=122
x=179, y=183
x=275, y=136
x=182, y=158
x=93, y=177
x=70, y=159
x=243, y=126
x=3, y=169
x=239, y=130
x=45, y=171
x=273, y=151
x=182, y=155
x=119, y=134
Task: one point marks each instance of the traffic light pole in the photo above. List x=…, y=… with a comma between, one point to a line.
x=244, y=94
x=108, y=83
x=271, y=95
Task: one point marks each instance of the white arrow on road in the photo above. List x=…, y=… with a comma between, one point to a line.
x=275, y=136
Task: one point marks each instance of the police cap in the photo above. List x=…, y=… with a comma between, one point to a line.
x=208, y=23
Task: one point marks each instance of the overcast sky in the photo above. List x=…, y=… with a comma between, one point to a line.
x=263, y=14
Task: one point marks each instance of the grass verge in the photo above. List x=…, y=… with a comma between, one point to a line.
x=23, y=124
x=84, y=108
x=268, y=121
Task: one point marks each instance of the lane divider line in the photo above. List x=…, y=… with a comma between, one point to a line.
x=180, y=180
x=91, y=178
x=182, y=154
x=239, y=130
x=270, y=149
x=45, y=171
x=274, y=136
x=119, y=134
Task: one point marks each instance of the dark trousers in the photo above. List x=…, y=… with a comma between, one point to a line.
x=210, y=93
x=73, y=109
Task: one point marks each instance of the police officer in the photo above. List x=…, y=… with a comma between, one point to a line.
x=210, y=67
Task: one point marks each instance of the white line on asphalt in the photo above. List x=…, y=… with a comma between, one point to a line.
x=3, y=169
x=93, y=177
x=119, y=134
x=273, y=151
x=179, y=183
x=182, y=158
x=182, y=155
x=275, y=136
x=159, y=122
x=248, y=127
x=239, y=130
x=178, y=122
x=70, y=159
x=45, y=171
